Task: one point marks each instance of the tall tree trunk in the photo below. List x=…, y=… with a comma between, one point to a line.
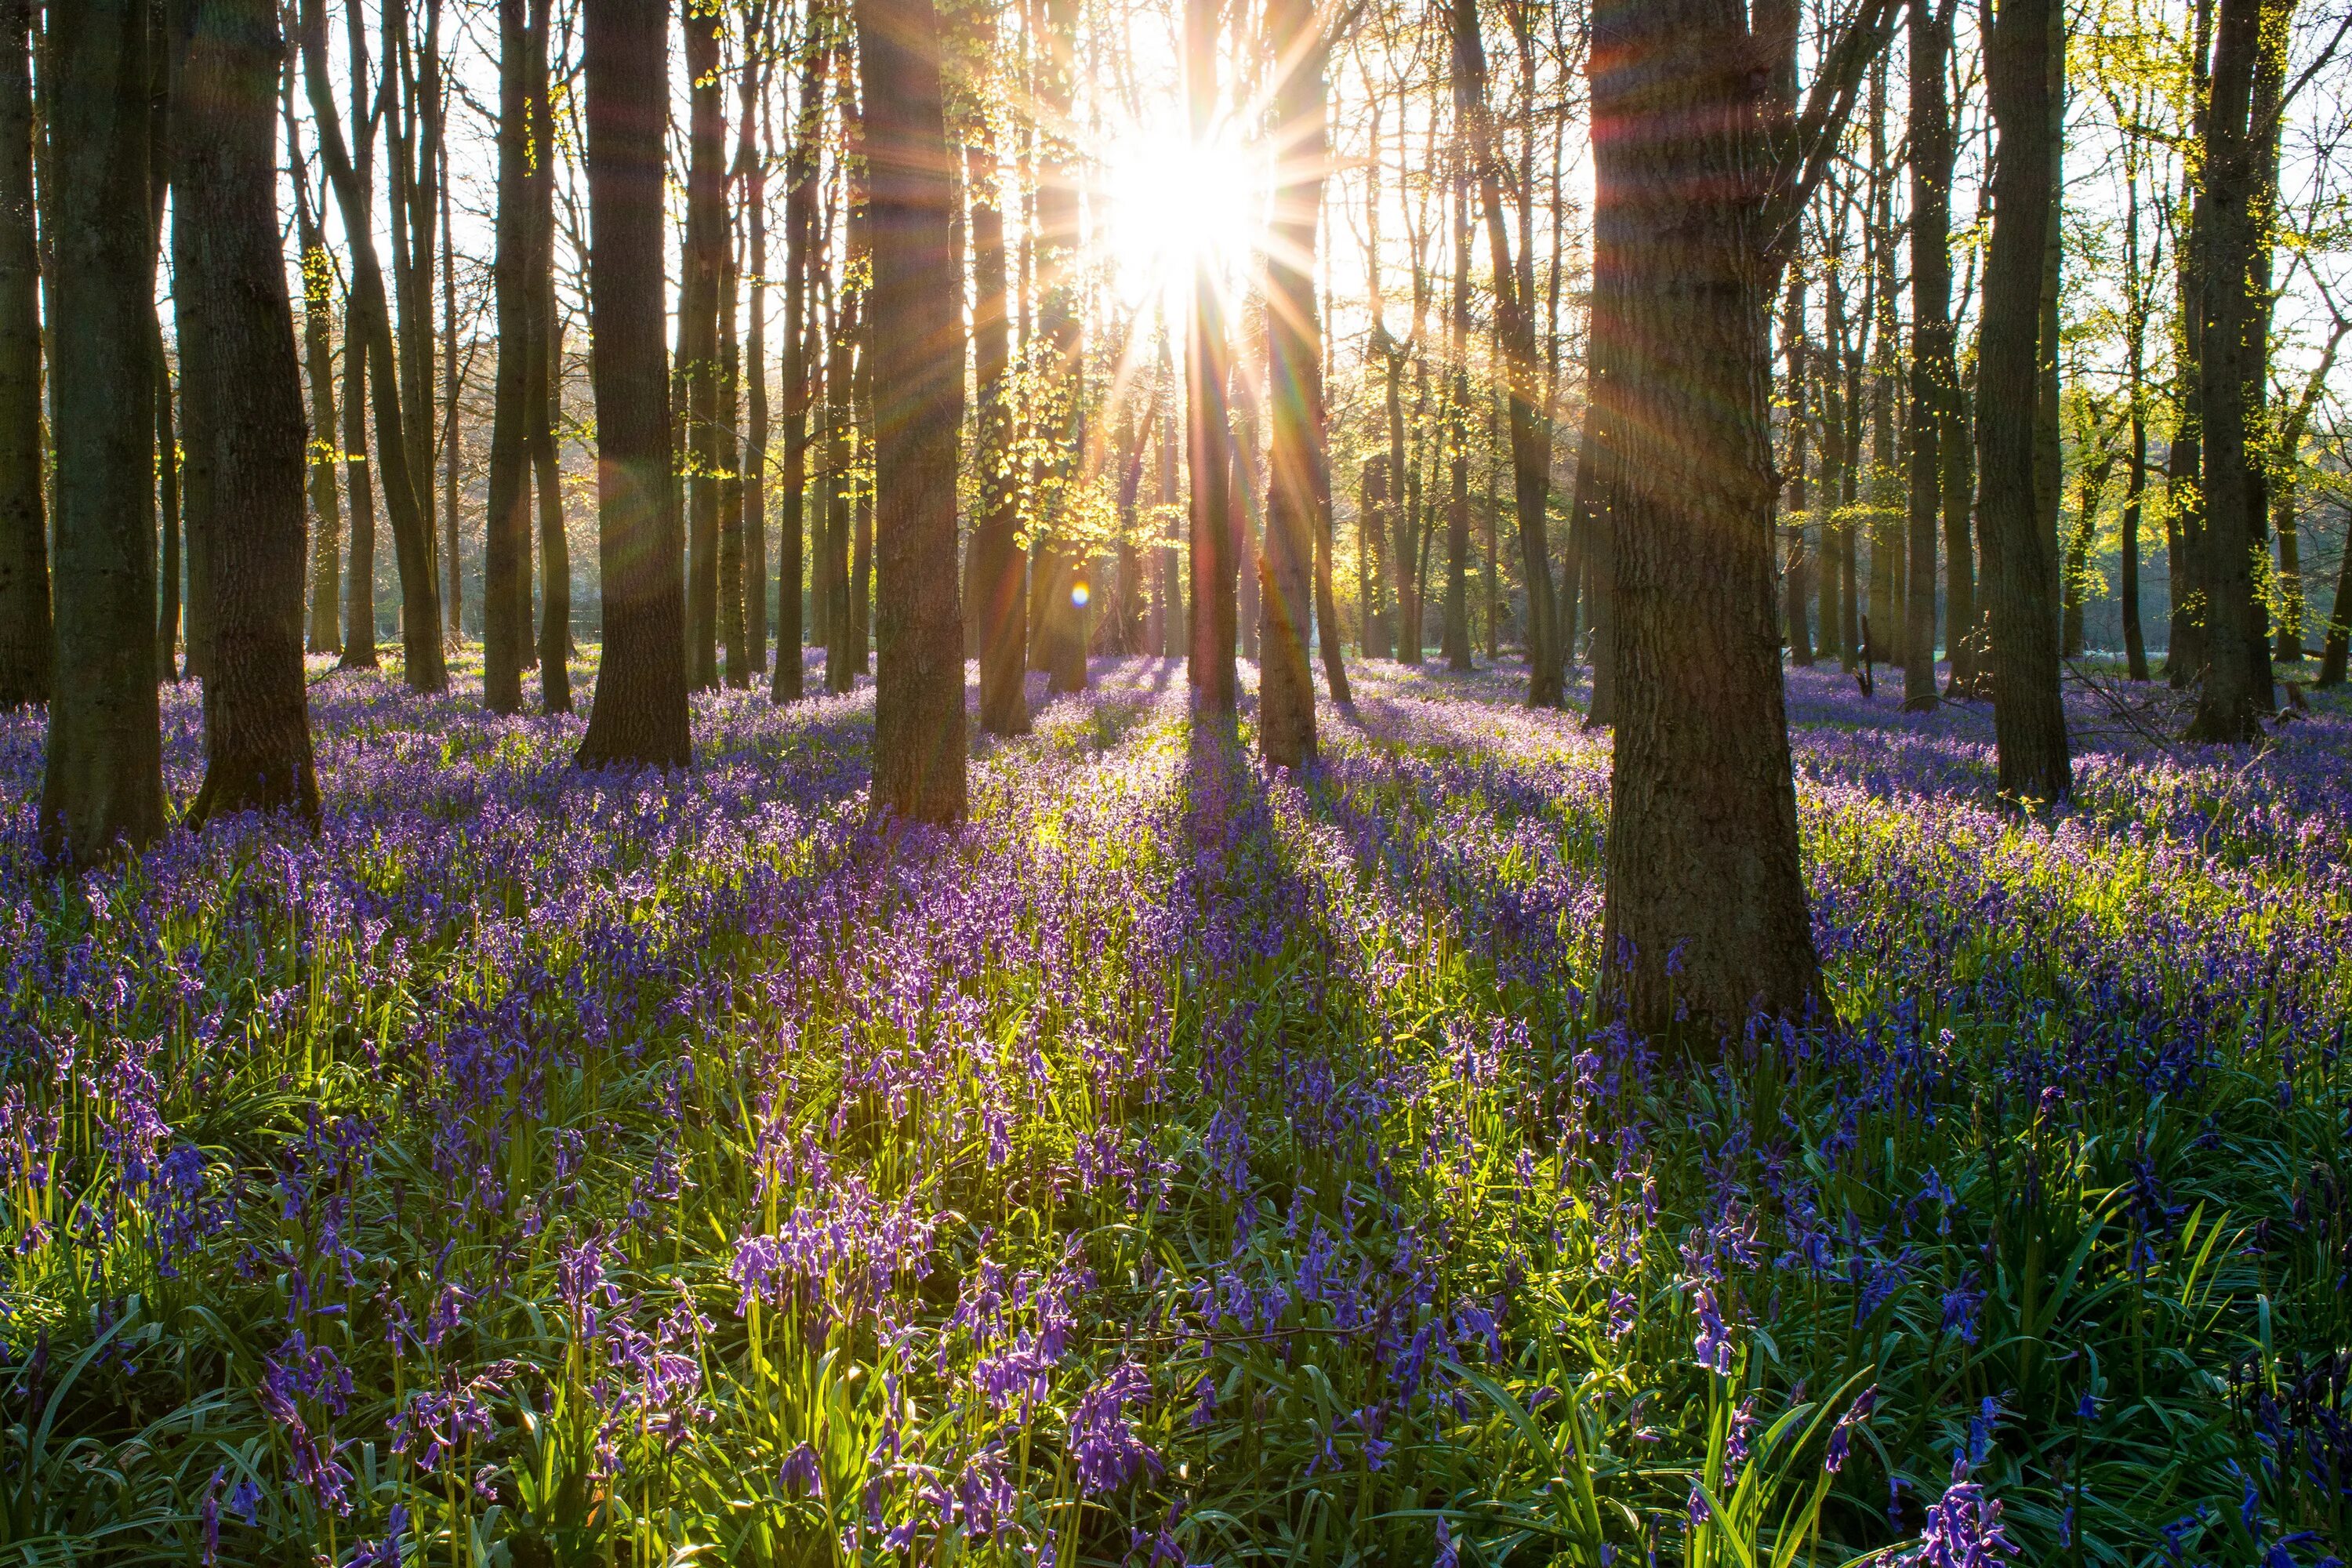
x=1247, y=524
x=1704, y=904
x=318, y=350
x=1000, y=586
x=1524, y=379
x=427, y=671
x=861, y=511
x=413, y=66
x=842, y=660
x=506, y=542
x=24, y=630
x=1931, y=333
x=358, y=484
x=103, y=786
x=2136, y=389
x=2029, y=719
x=1963, y=609
x=1060, y=559
x=2184, y=658
x=702, y=260
x=2049, y=446
x=544, y=410
x=452, y=416
x=751, y=166
x=1838, y=616
x=728, y=446
x=2236, y=693
x=1211, y=668
x=1286, y=722
x=1455, y=634
x=640, y=714
x=1612, y=85
x=915, y=334
x=800, y=266
x=1371, y=550
x=1888, y=606
x=243, y=393
x=168, y=495
x=187, y=573
x=1796, y=594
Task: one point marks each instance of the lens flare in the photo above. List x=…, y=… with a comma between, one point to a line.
x=1079, y=594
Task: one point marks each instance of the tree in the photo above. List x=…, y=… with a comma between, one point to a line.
x=102, y=788
x=640, y=713
x=752, y=169
x=411, y=526
x=800, y=266
x=242, y=396
x=999, y=588
x=2021, y=578
x=24, y=629
x=697, y=333
x=2237, y=691
x=1285, y=723
x=317, y=354
x=506, y=544
x=542, y=394
x=1702, y=165
x=916, y=342
x=1530, y=424
x=1209, y=667
x=1057, y=601
x=1931, y=333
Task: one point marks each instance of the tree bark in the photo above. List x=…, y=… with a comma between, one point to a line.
x=1931, y=333
x=1838, y=619
x=243, y=396
x=2184, y=658
x=359, y=594
x=2029, y=719
x=640, y=714
x=506, y=544
x=916, y=337
x=102, y=787
x=317, y=348
x=2235, y=694
x=1285, y=718
x=1704, y=912
x=728, y=444
x=1209, y=667
x=751, y=166
x=843, y=660
x=800, y=262
x=1454, y=635
x=1796, y=595
x=544, y=407
x=1530, y=423
x=426, y=669
x=412, y=65
x=2136, y=474
x=1057, y=601
x=702, y=260
x=24, y=629
x=1001, y=584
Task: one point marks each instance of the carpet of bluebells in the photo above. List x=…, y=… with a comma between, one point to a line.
x=1180, y=1163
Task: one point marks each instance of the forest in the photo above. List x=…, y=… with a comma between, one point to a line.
x=1176, y=783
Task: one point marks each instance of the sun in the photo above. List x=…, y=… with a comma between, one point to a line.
x=1169, y=204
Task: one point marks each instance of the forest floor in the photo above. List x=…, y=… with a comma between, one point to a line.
x=1178, y=1164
